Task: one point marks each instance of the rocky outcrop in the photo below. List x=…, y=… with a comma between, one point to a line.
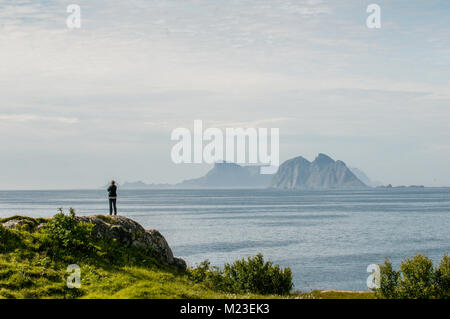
x=119, y=229
x=23, y=223
x=129, y=233
x=14, y=224
x=322, y=173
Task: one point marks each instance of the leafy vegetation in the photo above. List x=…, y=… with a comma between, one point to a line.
x=253, y=275
x=65, y=236
x=416, y=279
x=35, y=253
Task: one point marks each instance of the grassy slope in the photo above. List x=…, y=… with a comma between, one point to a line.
x=27, y=271
x=22, y=278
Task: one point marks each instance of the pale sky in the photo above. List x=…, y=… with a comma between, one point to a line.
x=81, y=106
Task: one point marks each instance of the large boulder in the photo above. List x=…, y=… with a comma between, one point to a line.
x=129, y=233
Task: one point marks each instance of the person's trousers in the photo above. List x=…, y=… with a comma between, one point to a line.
x=113, y=204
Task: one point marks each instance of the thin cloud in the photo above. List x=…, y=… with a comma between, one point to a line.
x=21, y=118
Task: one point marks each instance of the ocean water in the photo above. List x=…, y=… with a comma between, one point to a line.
x=328, y=238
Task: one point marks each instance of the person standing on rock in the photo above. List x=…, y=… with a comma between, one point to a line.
x=112, y=194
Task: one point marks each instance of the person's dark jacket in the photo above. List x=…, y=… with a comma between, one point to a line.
x=112, y=191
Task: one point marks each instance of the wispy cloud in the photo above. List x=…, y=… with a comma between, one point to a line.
x=254, y=123
x=36, y=118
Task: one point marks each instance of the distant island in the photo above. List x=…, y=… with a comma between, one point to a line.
x=230, y=175
x=400, y=186
x=322, y=173
x=222, y=175
x=295, y=173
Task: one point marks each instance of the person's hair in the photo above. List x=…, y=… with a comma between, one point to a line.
x=113, y=182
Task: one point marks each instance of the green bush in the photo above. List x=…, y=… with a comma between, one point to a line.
x=208, y=275
x=388, y=281
x=64, y=235
x=443, y=278
x=416, y=279
x=253, y=275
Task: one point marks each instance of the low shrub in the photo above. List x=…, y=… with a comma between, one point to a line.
x=64, y=235
x=443, y=278
x=253, y=275
x=416, y=279
x=208, y=275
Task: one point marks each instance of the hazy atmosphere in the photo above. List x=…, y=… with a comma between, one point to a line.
x=81, y=106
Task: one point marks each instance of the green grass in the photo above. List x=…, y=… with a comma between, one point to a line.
x=27, y=278
x=33, y=264
x=21, y=278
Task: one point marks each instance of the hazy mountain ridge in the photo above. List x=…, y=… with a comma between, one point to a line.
x=295, y=173
x=230, y=175
x=322, y=173
x=364, y=178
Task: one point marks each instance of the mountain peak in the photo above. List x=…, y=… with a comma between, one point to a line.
x=323, y=159
x=322, y=173
x=230, y=175
x=298, y=159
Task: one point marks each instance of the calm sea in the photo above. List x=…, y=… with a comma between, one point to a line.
x=328, y=238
